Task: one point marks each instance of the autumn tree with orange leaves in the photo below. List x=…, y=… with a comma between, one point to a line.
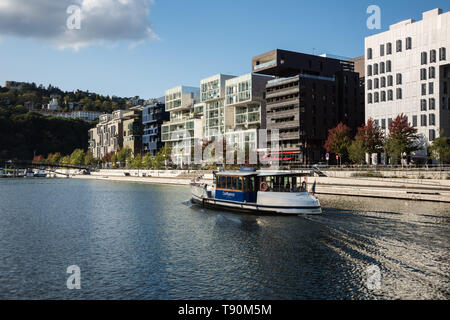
x=339, y=140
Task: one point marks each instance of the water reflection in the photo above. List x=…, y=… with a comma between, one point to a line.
x=147, y=242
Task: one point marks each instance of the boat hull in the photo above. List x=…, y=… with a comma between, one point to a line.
x=254, y=207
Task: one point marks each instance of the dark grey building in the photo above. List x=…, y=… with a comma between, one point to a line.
x=310, y=95
x=153, y=117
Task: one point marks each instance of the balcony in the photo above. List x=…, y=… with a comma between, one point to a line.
x=265, y=65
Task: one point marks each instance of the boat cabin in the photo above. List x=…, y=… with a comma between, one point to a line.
x=236, y=186
x=244, y=186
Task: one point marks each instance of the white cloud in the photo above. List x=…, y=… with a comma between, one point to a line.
x=102, y=21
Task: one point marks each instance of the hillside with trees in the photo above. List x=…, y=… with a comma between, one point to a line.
x=25, y=133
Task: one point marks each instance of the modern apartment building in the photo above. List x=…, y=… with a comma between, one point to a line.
x=309, y=95
x=212, y=94
x=132, y=130
x=153, y=117
x=408, y=71
x=107, y=136
x=185, y=122
x=245, y=101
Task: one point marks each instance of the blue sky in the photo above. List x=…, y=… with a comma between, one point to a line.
x=197, y=39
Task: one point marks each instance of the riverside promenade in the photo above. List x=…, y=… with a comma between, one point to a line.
x=336, y=183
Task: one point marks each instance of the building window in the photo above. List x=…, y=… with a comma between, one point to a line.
x=382, y=50
x=369, y=53
x=377, y=83
x=423, y=105
x=375, y=69
x=389, y=122
x=432, y=119
x=432, y=134
x=432, y=104
x=389, y=48
x=383, y=96
x=369, y=70
x=442, y=54
x=414, y=124
x=399, y=46
x=431, y=88
x=432, y=73
x=423, y=58
x=399, y=93
x=423, y=120
x=408, y=43
x=432, y=56
x=369, y=84
x=383, y=124
x=399, y=78
x=369, y=98
x=423, y=74
x=424, y=89
x=389, y=66
x=382, y=67
x=383, y=82
x=390, y=95
x=376, y=97
x=390, y=81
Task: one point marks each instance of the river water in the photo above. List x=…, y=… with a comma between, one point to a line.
x=138, y=241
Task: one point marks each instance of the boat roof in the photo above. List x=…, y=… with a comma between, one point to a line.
x=260, y=173
x=236, y=173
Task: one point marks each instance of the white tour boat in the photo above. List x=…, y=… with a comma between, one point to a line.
x=258, y=192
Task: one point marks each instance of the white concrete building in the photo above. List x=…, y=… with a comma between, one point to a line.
x=212, y=93
x=408, y=71
x=244, y=100
x=185, y=123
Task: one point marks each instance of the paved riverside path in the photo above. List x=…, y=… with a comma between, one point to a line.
x=405, y=189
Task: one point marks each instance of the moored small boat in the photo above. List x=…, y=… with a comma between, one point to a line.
x=281, y=193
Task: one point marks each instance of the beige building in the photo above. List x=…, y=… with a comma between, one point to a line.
x=107, y=136
x=132, y=130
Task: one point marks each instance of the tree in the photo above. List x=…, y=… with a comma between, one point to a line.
x=402, y=140
x=440, y=149
x=77, y=157
x=107, y=157
x=65, y=160
x=357, y=152
x=89, y=158
x=147, y=161
x=371, y=138
x=136, y=163
x=123, y=155
x=339, y=140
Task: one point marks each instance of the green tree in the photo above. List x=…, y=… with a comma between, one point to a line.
x=440, y=149
x=339, y=140
x=88, y=158
x=402, y=140
x=123, y=155
x=136, y=163
x=147, y=162
x=357, y=152
x=77, y=157
x=65, y=160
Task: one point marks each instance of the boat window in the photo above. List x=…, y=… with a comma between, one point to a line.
x=246, y=189
x=234, y=185
x=228, y=186
x=251, y=185
x=239, y=186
